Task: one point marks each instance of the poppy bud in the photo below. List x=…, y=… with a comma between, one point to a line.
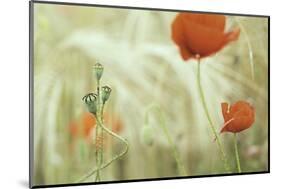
x=105, y=93
x=91, y=102
x=147, y=135
x=98, y=70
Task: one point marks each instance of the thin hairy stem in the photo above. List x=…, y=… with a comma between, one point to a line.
x=118, y=156
x=236, y=153
x=97, y=153
x=217, y=139
x=102, y=133
x=98, y=143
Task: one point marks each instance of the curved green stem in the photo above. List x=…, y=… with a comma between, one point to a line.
x=236, y=153
x=217, y=139
x=176, y=155
x=118, y=156
x=250, y=48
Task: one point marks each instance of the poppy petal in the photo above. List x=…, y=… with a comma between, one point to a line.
x=233, y=35
x=242, y=115
x=214, y=21
x=203, y=40
x=224, y=108
x=185, y=54
x=201, y=34
x=178, y=31
x=241, y=123
x=225, y=126
x=179, y=37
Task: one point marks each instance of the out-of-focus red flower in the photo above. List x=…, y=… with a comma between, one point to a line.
x=201, y=35
x=84, y=126
x=238, y=117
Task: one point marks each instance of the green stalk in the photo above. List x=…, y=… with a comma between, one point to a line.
x=98, y=150
x=118, y=156
x=250, y=48
x=102, y=133
x=97, y=110
x=176, y=155
x=236, y=153
x=97, y=154
x=202, y=97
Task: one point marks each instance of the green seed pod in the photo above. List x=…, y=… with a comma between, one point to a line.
x=105, y=93
x=91, y=102
x=98, y=70
x=147, y=135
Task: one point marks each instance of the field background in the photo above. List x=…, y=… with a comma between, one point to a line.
x=143, y=67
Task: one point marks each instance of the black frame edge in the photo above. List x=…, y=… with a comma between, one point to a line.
x=149, y=180
x=143, y=8
x=31, y=51
x=268, y=72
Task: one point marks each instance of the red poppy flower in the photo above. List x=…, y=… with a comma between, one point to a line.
x=201, y=34
x=238, y=117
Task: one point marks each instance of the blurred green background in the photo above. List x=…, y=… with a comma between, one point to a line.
x=143, y=67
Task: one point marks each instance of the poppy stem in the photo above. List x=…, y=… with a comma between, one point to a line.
x=180, y=165
x=99, y=134
x=250, y=48
x=97, y=153
x=100, y=129
x=118, y=156
x=236, y=153
x=202, y=97
x=102, y=134
x=98, y=138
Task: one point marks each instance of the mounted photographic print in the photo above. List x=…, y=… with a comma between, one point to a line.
x=122, y=94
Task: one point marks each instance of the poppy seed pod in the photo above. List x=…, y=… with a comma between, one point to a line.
x=98, y=70
x=105, y=93
x=91, y=102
